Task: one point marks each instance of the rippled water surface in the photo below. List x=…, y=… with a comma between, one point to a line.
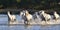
x=4, y=20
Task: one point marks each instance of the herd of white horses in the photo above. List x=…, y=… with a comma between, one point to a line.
x=27, y=16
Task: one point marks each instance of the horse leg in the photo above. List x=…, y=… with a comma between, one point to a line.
x=25, y=22
x=56, y=19
x=45, y=20
x=28, y=22
x=48, y=19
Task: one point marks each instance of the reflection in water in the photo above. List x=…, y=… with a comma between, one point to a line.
x=29, y=27
x=41, y=27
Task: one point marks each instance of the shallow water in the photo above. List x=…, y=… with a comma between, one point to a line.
x=34, y=27
x=4, y=20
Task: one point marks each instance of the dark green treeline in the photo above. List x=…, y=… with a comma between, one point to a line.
x=30, y=4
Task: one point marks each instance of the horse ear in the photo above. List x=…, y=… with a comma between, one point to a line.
x=9, y=12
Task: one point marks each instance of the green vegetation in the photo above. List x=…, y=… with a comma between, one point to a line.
x=30, y=4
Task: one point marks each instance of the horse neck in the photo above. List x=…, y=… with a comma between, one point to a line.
x=55, y=13
x=43, y=13
x=9, y=14
x=26, y=14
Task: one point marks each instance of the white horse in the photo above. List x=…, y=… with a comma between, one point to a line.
x=12, y=18
x=56, y=15
x=22, y=14
x=28, y=16
x=37, y=15
x=46, y=16
x=40, y=15
x=34, y=16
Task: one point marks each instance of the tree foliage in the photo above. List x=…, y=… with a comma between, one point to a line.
x=30, y=4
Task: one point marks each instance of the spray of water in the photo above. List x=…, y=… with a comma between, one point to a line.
x=36, y=17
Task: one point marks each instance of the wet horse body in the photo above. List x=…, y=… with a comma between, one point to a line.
x=22, y=14
x=46, y=16
x=26, y=16
x=56, y=16
x=11, y=18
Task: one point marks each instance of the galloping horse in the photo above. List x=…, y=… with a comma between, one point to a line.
x=22, y=15
x=46, y=16
x=12, y=18
x=28, y=16
x=41, y=16
x=56, y=15
x=35, y=15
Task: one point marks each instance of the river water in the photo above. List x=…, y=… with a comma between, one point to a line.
x=4, y=20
